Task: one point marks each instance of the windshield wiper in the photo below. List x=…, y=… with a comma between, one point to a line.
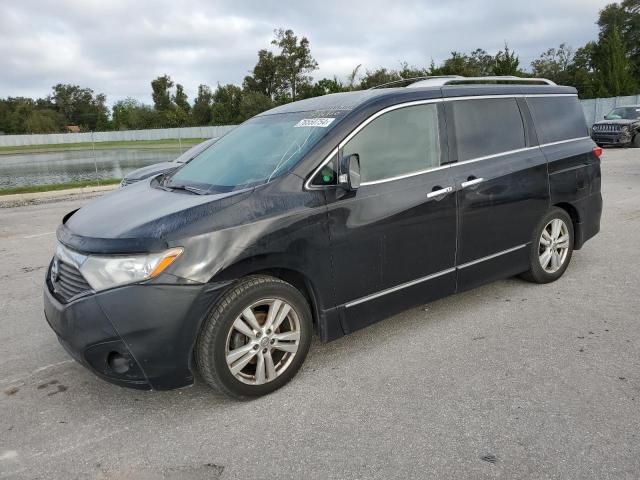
x=165, y=184
x=188, y=188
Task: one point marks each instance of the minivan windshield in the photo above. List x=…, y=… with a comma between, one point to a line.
x=624, y=113
x=260, y=149
x=195, y=150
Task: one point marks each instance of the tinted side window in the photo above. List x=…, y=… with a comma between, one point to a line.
x=487, y=126
x=558, y=118
x=399, y=142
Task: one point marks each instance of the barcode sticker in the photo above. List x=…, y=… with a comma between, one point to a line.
x=314, y=122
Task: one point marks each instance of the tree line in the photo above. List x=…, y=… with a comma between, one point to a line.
x=605, y=67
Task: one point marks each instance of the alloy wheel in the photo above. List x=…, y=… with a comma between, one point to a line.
x=554, y=245
x=262, y=341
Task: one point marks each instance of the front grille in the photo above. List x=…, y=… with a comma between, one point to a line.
x=607, y=128
x=69, y=282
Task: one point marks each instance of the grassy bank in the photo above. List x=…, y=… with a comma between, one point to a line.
x=170, y=143
x=59, y=186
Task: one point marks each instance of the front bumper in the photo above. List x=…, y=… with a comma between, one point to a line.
x=618, y=138
x=139, y=336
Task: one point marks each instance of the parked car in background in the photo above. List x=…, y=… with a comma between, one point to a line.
x=621, y=126
x=166, y=167
x=322, y=216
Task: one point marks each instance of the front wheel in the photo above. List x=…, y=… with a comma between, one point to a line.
x=551, y=247
x=255, y=339
x=636, y=141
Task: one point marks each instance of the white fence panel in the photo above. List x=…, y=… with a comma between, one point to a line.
x=595, y=109
x=116, y=136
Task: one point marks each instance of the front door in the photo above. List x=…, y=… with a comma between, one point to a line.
x=393, y=241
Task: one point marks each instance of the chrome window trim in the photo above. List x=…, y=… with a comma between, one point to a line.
x=560, y=142
x=519, y=150
x=406, y=175
x=527, y=95
x=308, y=186
x=411, y=283
x=494, y=155
x=398, y=287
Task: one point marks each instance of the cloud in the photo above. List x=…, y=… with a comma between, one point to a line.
x=118, y=47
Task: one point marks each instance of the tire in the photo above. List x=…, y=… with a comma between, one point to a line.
x=556, y=263
x=263, y=359
x=635, y=143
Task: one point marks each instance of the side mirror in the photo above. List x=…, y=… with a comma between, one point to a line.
x=349, y=177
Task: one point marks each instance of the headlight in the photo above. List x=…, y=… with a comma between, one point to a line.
x=108, y=271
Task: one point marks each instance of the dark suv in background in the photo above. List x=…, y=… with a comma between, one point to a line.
x=322, y=216
x=166, y=167
x=621, y=126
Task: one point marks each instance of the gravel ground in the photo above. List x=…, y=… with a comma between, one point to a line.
x=511, y=380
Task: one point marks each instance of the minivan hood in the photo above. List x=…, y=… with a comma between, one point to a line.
x=142, y=211
x=151, y=170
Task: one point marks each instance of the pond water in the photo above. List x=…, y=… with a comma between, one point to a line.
x=24, y=169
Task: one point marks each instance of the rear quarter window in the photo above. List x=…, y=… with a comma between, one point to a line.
x=558, y=118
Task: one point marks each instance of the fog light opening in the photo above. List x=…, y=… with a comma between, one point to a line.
x=118, y=363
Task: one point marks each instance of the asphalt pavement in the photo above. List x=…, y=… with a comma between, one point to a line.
x=510, y=380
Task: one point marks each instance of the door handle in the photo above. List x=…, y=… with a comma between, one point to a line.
x=440, y=191
x=472, y=181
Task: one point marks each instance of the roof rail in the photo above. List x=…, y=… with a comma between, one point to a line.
x=414, y=79
x=440, y=80
x=488, y=79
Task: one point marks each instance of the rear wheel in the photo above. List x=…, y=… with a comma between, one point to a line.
x=551, y=247
x=255, y=339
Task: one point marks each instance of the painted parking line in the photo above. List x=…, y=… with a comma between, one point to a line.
x=25, y=376
x=39, y=235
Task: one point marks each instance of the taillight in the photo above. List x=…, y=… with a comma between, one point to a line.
x=597, y=151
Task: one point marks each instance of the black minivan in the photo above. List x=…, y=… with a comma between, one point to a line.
x=322, y=216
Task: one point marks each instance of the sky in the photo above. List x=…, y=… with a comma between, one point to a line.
x=117, y=47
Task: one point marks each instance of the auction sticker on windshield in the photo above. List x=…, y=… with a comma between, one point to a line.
x=314, y=122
